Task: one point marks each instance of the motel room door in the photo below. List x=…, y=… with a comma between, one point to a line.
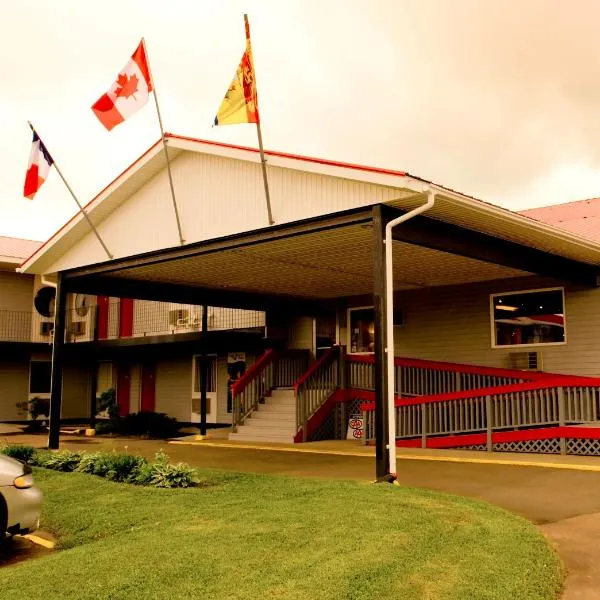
x=148, y=391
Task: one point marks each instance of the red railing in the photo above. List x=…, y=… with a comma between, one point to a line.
x=251, y=388
x=254, y=371
x=557, y=401
x=313, y=392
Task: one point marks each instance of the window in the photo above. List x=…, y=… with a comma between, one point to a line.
x=362, y=329
x=528, y=318
x=39, y=377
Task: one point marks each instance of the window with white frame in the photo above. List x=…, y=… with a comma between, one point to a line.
x=528, y=318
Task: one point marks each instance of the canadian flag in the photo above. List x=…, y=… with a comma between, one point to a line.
x=128, y=93
x=38, y=168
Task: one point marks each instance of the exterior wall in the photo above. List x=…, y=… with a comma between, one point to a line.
x=76, y=391
x=302, y=334
x=14, y=388
x=16, y=305
x=454, y=324
x=174, y=387
x=218, y=196
x=135, y=381
x=17, y=291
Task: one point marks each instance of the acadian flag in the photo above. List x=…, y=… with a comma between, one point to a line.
x=240, y=104
x=128, y=93
x=38, y=168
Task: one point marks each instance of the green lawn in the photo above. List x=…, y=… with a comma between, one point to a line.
x=253, y=537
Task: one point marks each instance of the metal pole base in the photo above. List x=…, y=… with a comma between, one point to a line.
x=389, y=478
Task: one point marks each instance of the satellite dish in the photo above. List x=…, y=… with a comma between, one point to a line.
x=44, y=301
x=82, y=304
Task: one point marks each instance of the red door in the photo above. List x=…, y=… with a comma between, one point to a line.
x=148, y=400
x=102, y=317
x=125, y=317
x=123, y=389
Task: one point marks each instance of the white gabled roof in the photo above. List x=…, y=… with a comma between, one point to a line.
x=403, y=191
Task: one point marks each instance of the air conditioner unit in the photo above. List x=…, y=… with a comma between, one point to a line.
x=178, y=317
x=46, y=328
x=526, y=361
x=78, y=328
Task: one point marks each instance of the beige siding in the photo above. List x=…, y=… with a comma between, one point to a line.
x=14, y=388
x=453, y=324
x=222, y=415
x=135, y=381
x=76, y=391
x=302, y=334
x=174, y=387
x=17, y=291
x=219, y=196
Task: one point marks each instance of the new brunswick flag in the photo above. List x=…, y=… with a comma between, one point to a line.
x=240, y=104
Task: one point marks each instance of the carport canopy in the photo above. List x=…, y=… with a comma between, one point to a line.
x=310, y=258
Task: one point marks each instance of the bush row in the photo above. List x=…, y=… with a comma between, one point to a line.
x=115, y=466
x=146, y=424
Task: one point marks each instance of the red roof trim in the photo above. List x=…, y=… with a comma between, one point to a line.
x=311, y=159
x=320, y=161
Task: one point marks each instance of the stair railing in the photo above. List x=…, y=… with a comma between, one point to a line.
x=250, y=389
x=314, y=387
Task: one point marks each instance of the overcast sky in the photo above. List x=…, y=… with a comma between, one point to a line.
x=498, y=99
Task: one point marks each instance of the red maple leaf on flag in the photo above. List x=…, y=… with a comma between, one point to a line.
x=126, y=86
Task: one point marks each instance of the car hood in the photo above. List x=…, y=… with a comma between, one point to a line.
x=10, y=469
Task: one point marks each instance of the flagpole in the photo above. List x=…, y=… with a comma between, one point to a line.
x=164, y=142
x=81, y=209
x=263, y=161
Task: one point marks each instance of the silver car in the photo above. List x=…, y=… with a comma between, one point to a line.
x=20, y=498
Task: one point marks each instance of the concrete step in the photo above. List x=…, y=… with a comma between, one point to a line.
x=252, y=437
x=281, y=394
x=278, y=410
x=276, y=417
x=266, y=427
x=280, y=401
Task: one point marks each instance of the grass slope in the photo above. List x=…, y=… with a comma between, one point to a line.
x=251, y=536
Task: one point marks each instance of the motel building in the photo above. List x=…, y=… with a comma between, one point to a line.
x=281, y=328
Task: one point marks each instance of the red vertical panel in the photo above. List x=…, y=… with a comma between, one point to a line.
x=102, y=317
x=123, y=389
x=148, y=400
x=125, y=317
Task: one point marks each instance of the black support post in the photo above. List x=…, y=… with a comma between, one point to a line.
x=93, y=390
x=379, y=304
x=203, y=372
x=56, y=380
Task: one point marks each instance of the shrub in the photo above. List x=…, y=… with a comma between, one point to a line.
x=108, y=403
x=114, y=466
x=151, y=424
x=62, y=460
x=162, y=474
x=23, y=453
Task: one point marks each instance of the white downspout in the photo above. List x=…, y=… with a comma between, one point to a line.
x=389, y=295
x=47, y=282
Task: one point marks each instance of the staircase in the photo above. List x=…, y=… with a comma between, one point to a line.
x=274, y=421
